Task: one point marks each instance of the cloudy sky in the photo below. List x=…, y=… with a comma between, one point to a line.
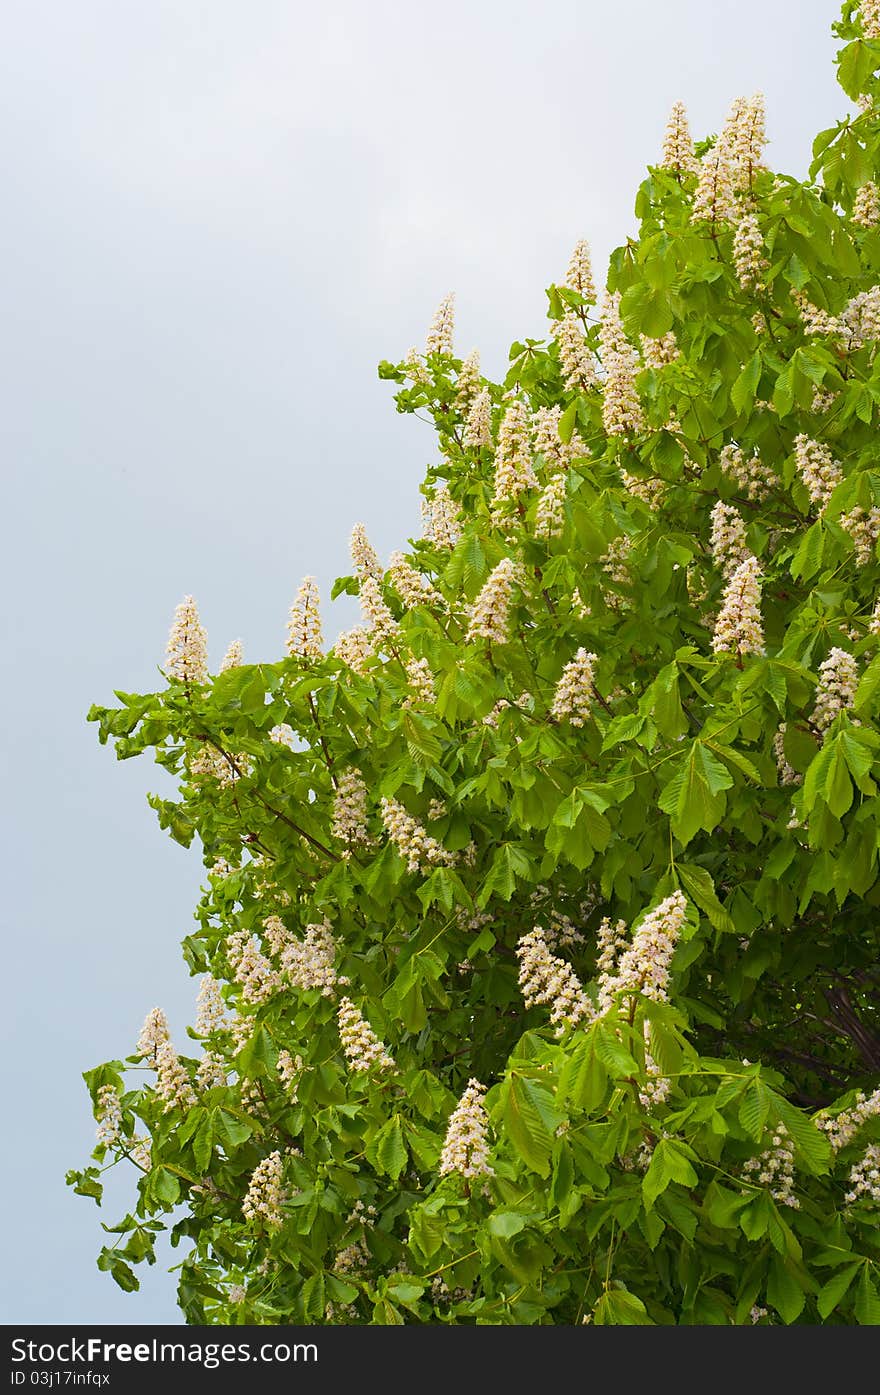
x=218, y=217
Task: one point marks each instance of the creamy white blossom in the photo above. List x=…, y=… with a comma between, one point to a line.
x=574, y=695
x=363, y=1049
x=787, y=773
x=350, y=809
x=363, y=555
x=265, y=1195
x=678, y=147
x=440, y=332
x=836, y=690
x=412, y=587
x=466, y=1146
x=866, y=206
x=546, y=979
x=186, y=655
x=643, y=966
x=714, y=200
x=380, y=622
x=818, y=469
x=514, y=470
x=579, y=276
x=728, y=538
x=750, y=472
x=490, y=615
x=774, y=1168
x=355, y=648
x=621, y=408
x=739, y=628
x=108, y=1115
x=172, y=1081
x=304, y=637
x=210, y=1008
x=440, y=518
x=153, y=1033
x=468, y=382
x=576, y=360
x=413, y=842
x=478, y=427
x=863, y=526
x=550, y=513
x=749, y=261
x=233, y=658
x=252, y=970
x=310, y=963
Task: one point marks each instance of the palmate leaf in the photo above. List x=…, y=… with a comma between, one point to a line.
x=694, y=795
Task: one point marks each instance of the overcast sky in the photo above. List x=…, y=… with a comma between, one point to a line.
x=217, y=218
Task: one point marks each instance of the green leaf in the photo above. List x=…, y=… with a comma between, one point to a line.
x=506, y=1223
x=313, y=1300
x=525, y=1102
x=701, y=889
x=386, y=1150
x=784, y=1292
x=856, y=63
x=619, y=1308
x=754, y=1108
x=832, y=1293
x=668, y=1164
x=694, y=797
x=745, y=388
x=867, y=1301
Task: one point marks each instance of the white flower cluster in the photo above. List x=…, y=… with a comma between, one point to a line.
x=265, y=1195
x=478, y=427
x=579, y=276
x=283, y=735
x=815, y=319
x=656, y=1087
x=644, y=964
x=108, y=1115
x=514, y=471
x=304, y=638
x=866, y=206
x=864, y=529
x=836, y=690
x=621, y=409
x=869, y=13
x=172, y=1081
x=550, y=513
x=546, y=979
x=678, y=147
x=310, y=962
x=412, y=587
x=860, y=318
x=728, y=538
x=442, y=327
x=412, y=841
x=290, y=1069
x=416, y=370
x=233, y=658
x=611, y=941
x=355, y=649
x=210, y=1008
x=467, y=384
x=787, y=773
x=490, y=614
x=557, y=454
x=615, y=562
x=466, y=1146
x=774, y=1168
x=864, y=1177
x=363, y=1049
x=649, y=491
x=744, y=137
x=821, y=400
x=573, y=697
x=210, y=1072
x=363, y=555
x=251, y=967
x=380, y=623
x=350, y=809
x=153, y=1033
x=660, y=352
x=820, y=472
x=714, y=200
x=751, y=474
x=739, y=628
x=421, y=682
x=576, y=361
x=186, y=655
x=843, y=1127
x=749, y=261
x=440, y=518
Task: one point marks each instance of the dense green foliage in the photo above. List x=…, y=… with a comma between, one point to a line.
x=611, y=1199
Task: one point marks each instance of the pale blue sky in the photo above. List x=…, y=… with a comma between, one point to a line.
x=217, y=218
